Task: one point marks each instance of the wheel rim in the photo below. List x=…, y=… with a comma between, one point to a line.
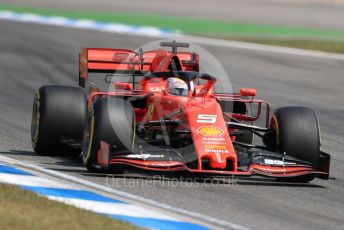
x=274, y=126
x=35, y=121
x=88, y=137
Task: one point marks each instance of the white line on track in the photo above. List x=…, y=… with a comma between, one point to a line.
x=25, y=180
x=207, y=219
x=112, y=208
x=264, y=48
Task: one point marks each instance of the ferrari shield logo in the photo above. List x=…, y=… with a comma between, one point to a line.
x=150, y=111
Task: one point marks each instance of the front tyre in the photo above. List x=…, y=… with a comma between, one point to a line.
x=110, y=120
x=298, y=135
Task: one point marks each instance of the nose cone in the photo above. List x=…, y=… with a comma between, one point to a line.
x=218, y=160
x=211, y=138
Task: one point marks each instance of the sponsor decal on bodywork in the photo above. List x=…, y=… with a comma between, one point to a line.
x=213, y=141
x=216, y=151
x=145, y=156
x=277, y=162
x=215, y=147
x=120, y=56
x=210, y=131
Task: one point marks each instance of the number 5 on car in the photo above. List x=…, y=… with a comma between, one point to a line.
x=206, y=118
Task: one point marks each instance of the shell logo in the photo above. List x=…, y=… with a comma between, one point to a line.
x=210, y=131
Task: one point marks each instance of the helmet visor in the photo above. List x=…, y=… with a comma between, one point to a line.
x=178, y=91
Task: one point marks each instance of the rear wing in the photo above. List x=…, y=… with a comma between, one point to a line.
x=102, y=60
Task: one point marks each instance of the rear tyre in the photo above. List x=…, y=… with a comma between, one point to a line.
x=110, y=120
x=297, y=135
x=58, y=114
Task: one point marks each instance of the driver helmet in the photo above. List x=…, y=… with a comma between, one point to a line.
x=177, y=87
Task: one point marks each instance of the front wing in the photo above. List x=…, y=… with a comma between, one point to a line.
x=262, y=163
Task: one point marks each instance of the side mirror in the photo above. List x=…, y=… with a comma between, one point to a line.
x=249, y=92
x=123, y=86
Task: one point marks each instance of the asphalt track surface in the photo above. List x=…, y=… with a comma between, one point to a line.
x=34, y=55
x=321, y=14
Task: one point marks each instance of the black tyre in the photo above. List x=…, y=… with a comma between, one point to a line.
x=59, y=113
x=297, y=135
x=110, y=120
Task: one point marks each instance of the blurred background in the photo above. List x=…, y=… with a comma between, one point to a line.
x=309, y=24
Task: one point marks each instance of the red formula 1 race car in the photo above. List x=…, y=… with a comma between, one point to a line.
x=154, y=110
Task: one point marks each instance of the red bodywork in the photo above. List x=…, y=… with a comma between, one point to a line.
x=202, y=113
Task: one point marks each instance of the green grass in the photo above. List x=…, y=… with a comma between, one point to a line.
x=313, y=39
x=185, y=25
x=20, y=209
